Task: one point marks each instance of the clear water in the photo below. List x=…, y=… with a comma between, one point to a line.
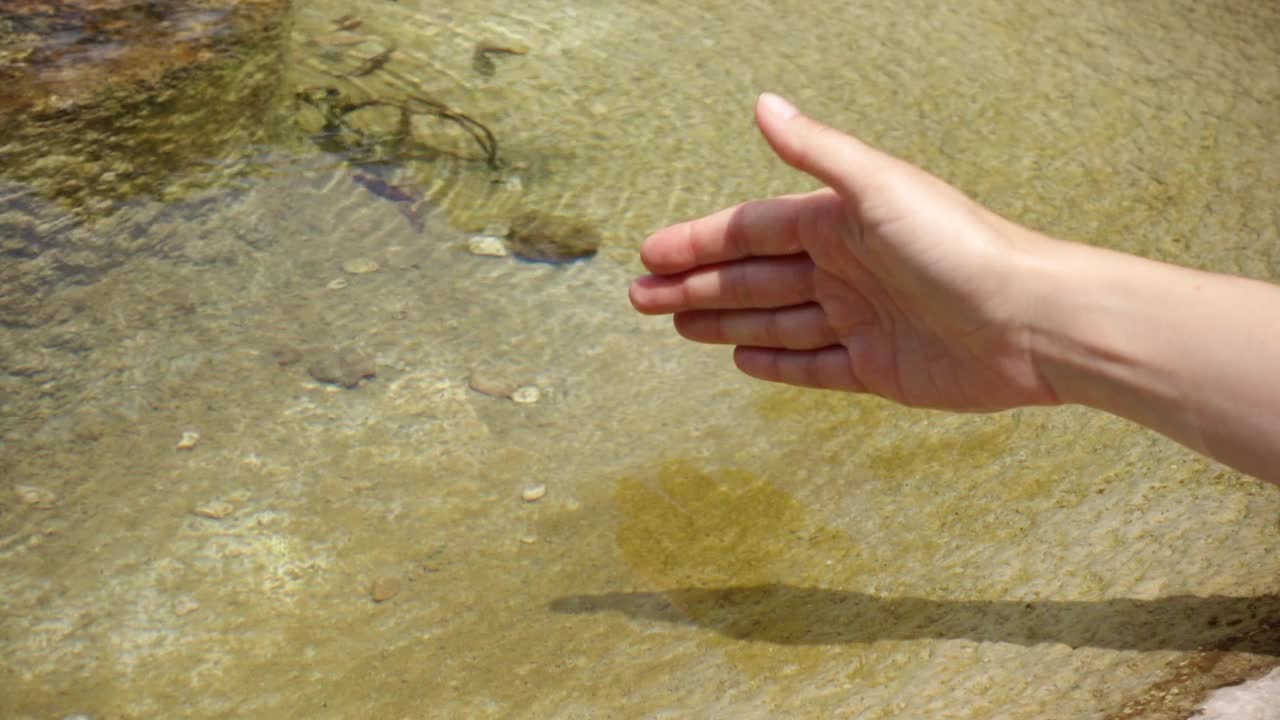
x=707, y=546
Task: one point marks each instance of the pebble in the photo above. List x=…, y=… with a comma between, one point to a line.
x=337, y=284
x=552, y=238
x=188, y=440
x=286, y=355
x=383, y=589
x=492, y=382
x=529, y=539
x=346, y=367
x=359, y=266
x=534, y=493
x=215, y=510
x=487, y=245
x=185, y=607
x=526, y=395
x=36, y=497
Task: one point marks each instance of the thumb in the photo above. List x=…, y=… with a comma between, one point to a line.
x=840, y=161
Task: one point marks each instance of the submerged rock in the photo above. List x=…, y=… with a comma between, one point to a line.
x=120, y=98
x=345, y=367
x=104, y=103
x=552, y=238
x=383, y=589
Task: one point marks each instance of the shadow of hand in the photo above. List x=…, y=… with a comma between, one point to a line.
x=789, y=615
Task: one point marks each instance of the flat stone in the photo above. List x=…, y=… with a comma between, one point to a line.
x=492, y=382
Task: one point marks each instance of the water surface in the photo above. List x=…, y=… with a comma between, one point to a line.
x=707, y=545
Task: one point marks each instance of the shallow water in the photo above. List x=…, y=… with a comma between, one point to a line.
x=707, y=545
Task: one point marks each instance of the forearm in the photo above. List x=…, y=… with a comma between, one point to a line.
x=1193, y=355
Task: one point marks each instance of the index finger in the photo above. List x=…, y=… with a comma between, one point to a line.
x=761, y=227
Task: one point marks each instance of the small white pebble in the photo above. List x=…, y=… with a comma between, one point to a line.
x=215, y=510
x=529, y=539
x=188, y=440
x=36, y=497
x=527, y=394
x=534, y=493
x=337, y=284
x=185, y=607
x=487, y=245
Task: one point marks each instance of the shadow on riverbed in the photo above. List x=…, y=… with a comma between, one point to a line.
x=790, y=615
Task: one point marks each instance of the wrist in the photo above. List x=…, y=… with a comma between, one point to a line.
x=1104, y=333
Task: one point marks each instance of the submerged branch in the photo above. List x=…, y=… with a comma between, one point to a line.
x=337, y=130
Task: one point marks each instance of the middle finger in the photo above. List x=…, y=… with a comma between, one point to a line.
x=754, y=283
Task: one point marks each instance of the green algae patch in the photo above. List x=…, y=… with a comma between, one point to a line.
x=689, y=528
x=733, y=553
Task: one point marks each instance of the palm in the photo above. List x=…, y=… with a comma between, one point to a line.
x=897, y=348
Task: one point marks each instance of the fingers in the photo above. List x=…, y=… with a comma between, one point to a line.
x=756, y=283
x=826, y=368
x=760, y=228
x=801, y=327
x=840, y=161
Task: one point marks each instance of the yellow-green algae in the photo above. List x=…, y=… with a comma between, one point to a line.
x=730, y=552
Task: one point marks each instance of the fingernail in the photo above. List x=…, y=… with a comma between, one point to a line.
x=777, y=107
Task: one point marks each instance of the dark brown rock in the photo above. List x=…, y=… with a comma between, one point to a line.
x=552, y=238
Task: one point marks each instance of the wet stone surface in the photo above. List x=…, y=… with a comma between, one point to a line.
x=703, y=541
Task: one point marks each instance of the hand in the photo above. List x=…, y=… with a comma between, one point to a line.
x=888, y=281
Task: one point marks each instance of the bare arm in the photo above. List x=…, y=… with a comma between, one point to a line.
x=1193, y=355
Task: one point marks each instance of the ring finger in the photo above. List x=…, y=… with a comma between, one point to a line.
x=798, y=327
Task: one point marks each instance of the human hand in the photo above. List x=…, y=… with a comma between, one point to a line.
x=887, y=281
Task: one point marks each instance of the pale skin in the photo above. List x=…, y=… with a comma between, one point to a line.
x=889, y=281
